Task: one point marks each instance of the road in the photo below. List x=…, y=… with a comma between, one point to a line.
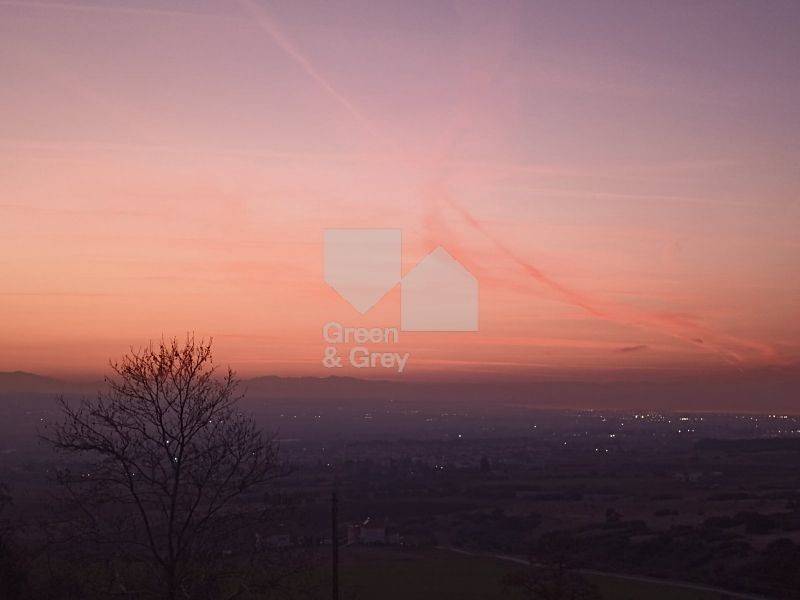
x=637, y=578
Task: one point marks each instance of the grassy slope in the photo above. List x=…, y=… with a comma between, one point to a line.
x=373, y=573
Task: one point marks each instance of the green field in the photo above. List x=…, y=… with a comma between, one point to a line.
x=384, y=574
x=621, y=589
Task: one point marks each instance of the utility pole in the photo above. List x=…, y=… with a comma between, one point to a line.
x=335, y=544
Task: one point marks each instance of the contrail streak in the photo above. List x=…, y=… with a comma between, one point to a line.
x=561, y=291
x=267, y=24
x=673, y=326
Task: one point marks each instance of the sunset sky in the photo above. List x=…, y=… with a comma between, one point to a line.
x=622, y=179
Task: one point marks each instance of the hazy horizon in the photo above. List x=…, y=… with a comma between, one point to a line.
x=589, y=376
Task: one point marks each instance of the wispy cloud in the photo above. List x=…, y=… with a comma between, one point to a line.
x=636, y=348
x=438, y=197
x=733, y=349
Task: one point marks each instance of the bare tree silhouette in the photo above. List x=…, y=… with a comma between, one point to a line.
x=12, y=573
x=173, y=491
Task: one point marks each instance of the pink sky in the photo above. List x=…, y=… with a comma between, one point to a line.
x=623, y=180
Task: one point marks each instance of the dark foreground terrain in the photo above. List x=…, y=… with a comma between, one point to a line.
x=445, y=501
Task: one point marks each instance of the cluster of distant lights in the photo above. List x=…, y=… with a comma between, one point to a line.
x=658, y=417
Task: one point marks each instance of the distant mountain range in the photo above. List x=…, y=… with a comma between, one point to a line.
x=20, y=382
x=766, y=390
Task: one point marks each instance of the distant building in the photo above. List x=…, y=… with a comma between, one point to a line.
x=370, y=532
